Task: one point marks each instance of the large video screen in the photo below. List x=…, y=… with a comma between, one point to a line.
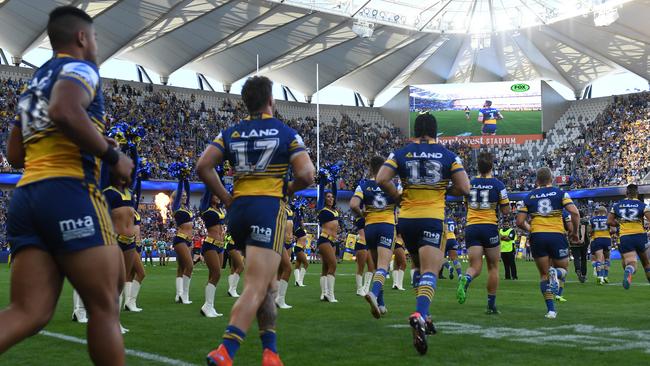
x=457, y=107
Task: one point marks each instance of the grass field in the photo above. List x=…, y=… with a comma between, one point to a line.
x=597, y=326
x=453, y=123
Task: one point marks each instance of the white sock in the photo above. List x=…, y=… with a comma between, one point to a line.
x=367, y=281
x=330, y=284
x=135, y=290
x=323, y=285
x=412, y=274
x=296, y=275
x=359, y=279
x=121, y=303
x=235, y=281
x=186, y=287
x=391, y=266
x=179, y=286
x=400, y=282
x=230, y=277
x=75, y=300
x=127, y=292
x=395, y=278
x=302, y=275
x=282, y=288
x=210, y=289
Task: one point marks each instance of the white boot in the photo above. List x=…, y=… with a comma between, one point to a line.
x=302, y=276
x=131, y=302
x=179, y=289
x=360, y=287
x=282, y=294
x=233, y=281
x=79, y=310
x=330, y=289
x=127, y=294
x=207, y=309
x=296, y=277
x=123, y=330
x=400, y=280
x=367, y=282
x=185, y=298
x=412, y=274
x=323, y=287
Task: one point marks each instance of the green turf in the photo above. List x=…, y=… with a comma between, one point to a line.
x=315, y=333
x=453, y=123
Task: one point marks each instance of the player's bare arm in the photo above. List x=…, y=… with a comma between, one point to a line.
x=384, y=181
x=303, y=172
x=15, y=148
x=210, y=158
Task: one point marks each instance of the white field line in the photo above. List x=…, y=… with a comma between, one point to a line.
x=129, y=352
x=583, y=336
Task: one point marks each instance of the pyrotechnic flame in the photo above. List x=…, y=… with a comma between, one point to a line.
x=162, y=201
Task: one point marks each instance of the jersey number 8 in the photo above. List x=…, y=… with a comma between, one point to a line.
x=544, y=206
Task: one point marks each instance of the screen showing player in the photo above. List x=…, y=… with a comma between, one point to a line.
x=480, y=109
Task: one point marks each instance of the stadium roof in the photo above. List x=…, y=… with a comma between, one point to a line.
x=413, y=42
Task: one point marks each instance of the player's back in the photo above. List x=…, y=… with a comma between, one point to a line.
x=489, y=115
x=486, y=195
x=630, y=213
x=599, y=227
x=545, y=205
x=450, y=228
x=425, y=169
x=379, y=207
x=48, y=152
x=260, y=149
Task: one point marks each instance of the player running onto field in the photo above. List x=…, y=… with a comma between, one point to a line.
x=379, y=216
x=601, y=243
x=488, y=116
x=425, y=169
x=58, y=223
x=261, y=149
x=467, y=112
x=628, y=215
x=548, y=242
x=487, y=196
x=451, y=248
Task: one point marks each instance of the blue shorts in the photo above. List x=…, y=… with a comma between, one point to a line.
x=287, y=247
x=600, y=244
x=380, y=235
x=209, y=246
x=554, y=245
x=398, y=246
x=360, y=223
x=420, y=232
x=297, y=249
x=634, y=242
x=489, y=128
x=451, y=244
x=259, y=221
x=59, y=215
x=178, y=239
x=138, y=248
x=485, y=235
x=360, y=246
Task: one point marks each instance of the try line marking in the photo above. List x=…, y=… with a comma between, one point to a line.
x=129, y=352
x=589, y=337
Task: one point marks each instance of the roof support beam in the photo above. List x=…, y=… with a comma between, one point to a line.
x=434, y=15
x=36, y=41
x=163, y=17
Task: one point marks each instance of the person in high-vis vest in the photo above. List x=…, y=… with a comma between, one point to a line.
x=508, y=236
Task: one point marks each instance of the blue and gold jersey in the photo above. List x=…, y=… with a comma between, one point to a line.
x=48, y=152
x=379, y=207
x=486, y=195
x=425, y=169
x=259, y=150
x=450, y=228
x=629, y=214
x=118, y=198
x=599, y=227
x=490, y=115
x=545, y=205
